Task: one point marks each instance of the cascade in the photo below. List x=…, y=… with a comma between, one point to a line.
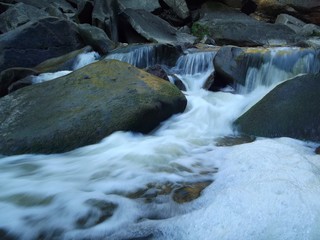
x=279, y=64
x=140, y=56
x=194, y=68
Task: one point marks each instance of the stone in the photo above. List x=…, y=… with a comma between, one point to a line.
x=228, y=141
x=317, y=151
x=54, y=37
x=158, y=71
x=180, y=7
x=153, y=28
x=291, y=109
x=147, y=5
x=228, y=26
x=85, y=106
x=12, y=75
x=96, y=38
x=189, y=192
x=18, y=15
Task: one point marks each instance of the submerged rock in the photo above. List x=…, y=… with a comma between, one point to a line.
x=84, y=107
x=291, y=109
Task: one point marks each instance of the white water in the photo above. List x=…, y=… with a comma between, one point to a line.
x=81, y=61
x=268, y=189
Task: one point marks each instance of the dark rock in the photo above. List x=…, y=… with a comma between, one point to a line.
x=158, y=71
x=290, y=110
x=178, y=82
x=317, y=151
x=104, y=16
x=18, y=15
x=98, y=212
x=234, y=140
x=24, y=82
x=12, y=75
x=96, y=38
x=229, y=26
x=54, y=37
x=84, y=11
x=180, y=7
x=153, y=28
x=51, y=117
x=229, y=65
x=307, y=10
x=147, y=5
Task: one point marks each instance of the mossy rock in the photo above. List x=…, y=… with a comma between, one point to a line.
x=84, y=107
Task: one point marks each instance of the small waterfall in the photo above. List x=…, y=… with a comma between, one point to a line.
x=194, y=68
x=277, y=65
x=139, y=56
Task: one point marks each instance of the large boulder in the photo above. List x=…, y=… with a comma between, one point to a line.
x=308, y=10
x=54, y=37
x=230, y=26
x=291, y=109
x=35, y=42
x=153, y=28
x=18, y=15
x=180, y=7
x=84, y=107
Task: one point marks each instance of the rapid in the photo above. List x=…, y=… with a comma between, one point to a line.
x=118, y=188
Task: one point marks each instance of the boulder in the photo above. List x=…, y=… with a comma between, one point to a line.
x=290, y=110
x=230, y=26
x=180, y=7
x=147, y=5
x=153, y=28
x=84, y=107
x=18, y=15
x=12, y=75
x=104, y=16
x=96, y=38
x=307, y=10
x=35, y=42
x=158, y=70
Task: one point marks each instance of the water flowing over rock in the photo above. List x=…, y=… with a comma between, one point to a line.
x=230, y=26
x=250, y=68
x=51, y=117
x=147, y=55
x=54, y=37
x=291, y=109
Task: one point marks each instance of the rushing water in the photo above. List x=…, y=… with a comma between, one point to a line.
x=268, y=189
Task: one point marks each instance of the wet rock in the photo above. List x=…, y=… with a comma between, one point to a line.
x=12, y=75
x=51, y=118
x=290, y=110
x=98, y=212
x=317, y=151
x=24, y=82
x=54, y=37
x=158, y=71
x=18, y=15
x=7, y=235
x=189, y=192
x=230, y=26
x=228, y=141
x=96, y=38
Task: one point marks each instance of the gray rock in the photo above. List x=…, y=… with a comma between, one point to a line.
x=54, y=37
x=84, y=107
x=18, y=15
x=180, y=7
x=96, y=38
x=229, y=26
x=291, y=109
x=293, y=23
x=153, y=28
x=148, y=5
